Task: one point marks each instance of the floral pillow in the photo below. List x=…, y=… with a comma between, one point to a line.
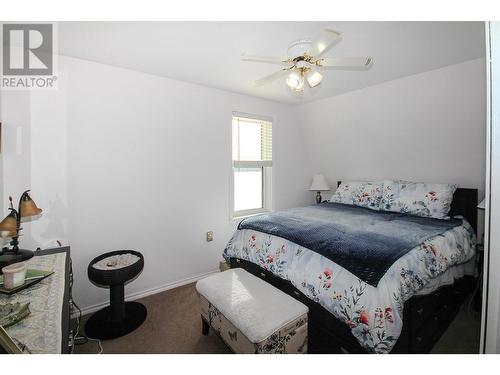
x=421, y=199
x=364, y=194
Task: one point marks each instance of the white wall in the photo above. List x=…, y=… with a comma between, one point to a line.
x=425, y=127
x=34, y=157
x=122, y=159
x=491, y=287
x=16, y=148
x=126, y=160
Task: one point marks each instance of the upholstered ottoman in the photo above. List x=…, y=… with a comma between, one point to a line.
x=250, y=315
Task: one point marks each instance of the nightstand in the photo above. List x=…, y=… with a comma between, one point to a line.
x=224, y=266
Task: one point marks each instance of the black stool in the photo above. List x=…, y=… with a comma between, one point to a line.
x=120, y=317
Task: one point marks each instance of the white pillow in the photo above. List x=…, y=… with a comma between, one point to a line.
x=418, y=198
x=364, y=194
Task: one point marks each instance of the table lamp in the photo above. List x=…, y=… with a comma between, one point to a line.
x=10, y=227
x=319, y=184
x=481, y=205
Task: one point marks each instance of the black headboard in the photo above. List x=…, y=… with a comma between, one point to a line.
x=464, y=203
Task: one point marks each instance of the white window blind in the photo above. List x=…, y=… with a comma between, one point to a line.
x=252, y=143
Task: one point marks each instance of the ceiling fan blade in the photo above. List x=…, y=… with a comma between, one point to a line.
x=264, y=59
x=322, y=44
x=271, y=77
x=346, y=63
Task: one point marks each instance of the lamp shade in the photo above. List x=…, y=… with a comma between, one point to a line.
x=28, y=207
x=6, y=234
x=319, y=183
x=295, y=80
x=481, y=205
x=8, y=226
x=314, y=78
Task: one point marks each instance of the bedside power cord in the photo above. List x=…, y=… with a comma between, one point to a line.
x=78, y=338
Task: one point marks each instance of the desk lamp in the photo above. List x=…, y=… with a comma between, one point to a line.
x=11, y=226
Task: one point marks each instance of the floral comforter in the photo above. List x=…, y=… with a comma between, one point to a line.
x=374, y=314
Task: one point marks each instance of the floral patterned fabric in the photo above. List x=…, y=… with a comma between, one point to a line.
x=422, y=199
x=289, y=339
x=41, y=330
x=364, y=194
x=374, y=314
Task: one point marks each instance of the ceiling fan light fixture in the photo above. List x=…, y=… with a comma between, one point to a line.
x=300, y=87
x=304, y=57
x=314, y=78
x=295, y=80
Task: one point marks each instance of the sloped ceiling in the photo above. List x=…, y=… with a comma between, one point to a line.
x=208, y=53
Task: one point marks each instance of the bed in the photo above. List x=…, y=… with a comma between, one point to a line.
x=353, y=310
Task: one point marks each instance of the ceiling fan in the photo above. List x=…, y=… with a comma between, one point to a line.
x=305, y=61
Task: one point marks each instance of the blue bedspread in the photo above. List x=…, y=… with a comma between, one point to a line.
x=363, y=241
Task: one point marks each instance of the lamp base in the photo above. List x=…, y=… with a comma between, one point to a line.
x=318, y=197
x=11, y=256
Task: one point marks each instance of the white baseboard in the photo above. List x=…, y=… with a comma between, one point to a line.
x=148, y=292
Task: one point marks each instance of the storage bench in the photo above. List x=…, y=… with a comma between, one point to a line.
x=250, y=315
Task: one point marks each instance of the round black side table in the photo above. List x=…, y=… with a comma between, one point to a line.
x=120, y=317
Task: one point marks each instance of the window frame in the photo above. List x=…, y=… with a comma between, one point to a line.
x=267, y=175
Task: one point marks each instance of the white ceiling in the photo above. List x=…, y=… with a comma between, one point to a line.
x=208, y=53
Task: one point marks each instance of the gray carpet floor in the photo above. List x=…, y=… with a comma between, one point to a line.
x=173, y=326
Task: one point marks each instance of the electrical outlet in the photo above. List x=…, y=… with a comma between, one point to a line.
x=210, y=236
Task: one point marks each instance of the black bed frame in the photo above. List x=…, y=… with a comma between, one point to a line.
x=425, y=318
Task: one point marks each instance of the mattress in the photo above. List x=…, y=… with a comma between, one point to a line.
x=363, y=241
x=449, y=276
x=374, y=314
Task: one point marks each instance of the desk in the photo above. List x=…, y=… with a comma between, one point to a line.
x=47, y=328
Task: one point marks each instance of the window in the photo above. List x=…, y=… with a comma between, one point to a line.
x=252, y=165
